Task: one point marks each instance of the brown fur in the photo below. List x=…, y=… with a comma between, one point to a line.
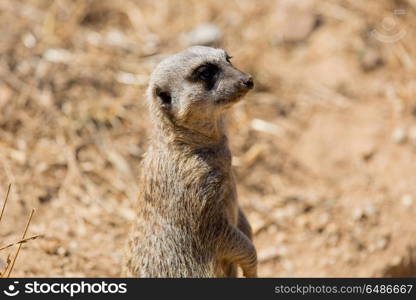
x=189, y=223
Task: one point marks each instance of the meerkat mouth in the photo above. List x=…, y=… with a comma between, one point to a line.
x=234, y=99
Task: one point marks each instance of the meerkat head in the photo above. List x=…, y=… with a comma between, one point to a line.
x=194, y=87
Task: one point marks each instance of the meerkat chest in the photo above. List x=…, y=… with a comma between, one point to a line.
x=190, y=182
x=217, y=179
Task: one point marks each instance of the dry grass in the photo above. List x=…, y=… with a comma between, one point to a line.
x=10, y=262
x=312, y=145
x=5, y=201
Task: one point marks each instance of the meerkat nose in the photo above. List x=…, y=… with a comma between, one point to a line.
x=249, y=82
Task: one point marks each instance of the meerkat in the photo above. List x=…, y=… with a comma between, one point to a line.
x=189, y=223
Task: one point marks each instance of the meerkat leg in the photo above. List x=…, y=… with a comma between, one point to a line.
x=230, y=269
x=239, y=250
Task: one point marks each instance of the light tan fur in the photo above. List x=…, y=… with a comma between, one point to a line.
x=188, y=221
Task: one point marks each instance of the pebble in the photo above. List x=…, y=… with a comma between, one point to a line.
x=264, y=126
x=285, y=213
x=396, y=261
x=407, y=200
x=132, y=79
x=370, y=210
x=399, y=136
x=94, y=38
x=61, y=251
x=371, y=60
x=362, y=213
x=57, y=55
x=18, y=156
x=358, y=214
x=207, y=34
x=271, y=253
x=382, y=243
x=116, y=38
x=29, y=40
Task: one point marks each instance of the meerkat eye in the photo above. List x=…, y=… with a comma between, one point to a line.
x=207, y=72
x=164, y=96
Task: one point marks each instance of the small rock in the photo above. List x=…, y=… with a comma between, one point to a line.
x=382, y=243
x=371, y=60
x=368, y=154
x=285, y=213
x=407, y=200
x=132, y=79
x=399, y=136
x=379, y=244
x=50, y=246
x=73, y=245
x=46, y=196
x=118, y=161
x=237, y=161
x=116, y=38
x=205, y=35
x=396, y=261
x=358, y=214
x=18, y=156
x=57, y=55
x=271, y=253
x=61, y=251
x=29, y=40
x=370, y=210
x=371, y=248
x=127, y=214
x=134, y=150
x=94, y=38
x=264, y=126
x=361, y=213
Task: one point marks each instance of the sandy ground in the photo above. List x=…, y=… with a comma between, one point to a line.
x=324, y=147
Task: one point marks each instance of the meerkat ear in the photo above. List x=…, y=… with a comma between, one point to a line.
x=164, y=97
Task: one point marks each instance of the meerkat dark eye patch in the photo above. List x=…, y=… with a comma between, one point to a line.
x=228, y=58
x=206, y=73
x=164, y=96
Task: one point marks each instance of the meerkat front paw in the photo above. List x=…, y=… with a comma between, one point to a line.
x=250, y=273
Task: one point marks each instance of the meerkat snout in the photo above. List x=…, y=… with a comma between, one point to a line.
x=248, y=82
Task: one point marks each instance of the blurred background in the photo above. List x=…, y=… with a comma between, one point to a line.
x=324, y=147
